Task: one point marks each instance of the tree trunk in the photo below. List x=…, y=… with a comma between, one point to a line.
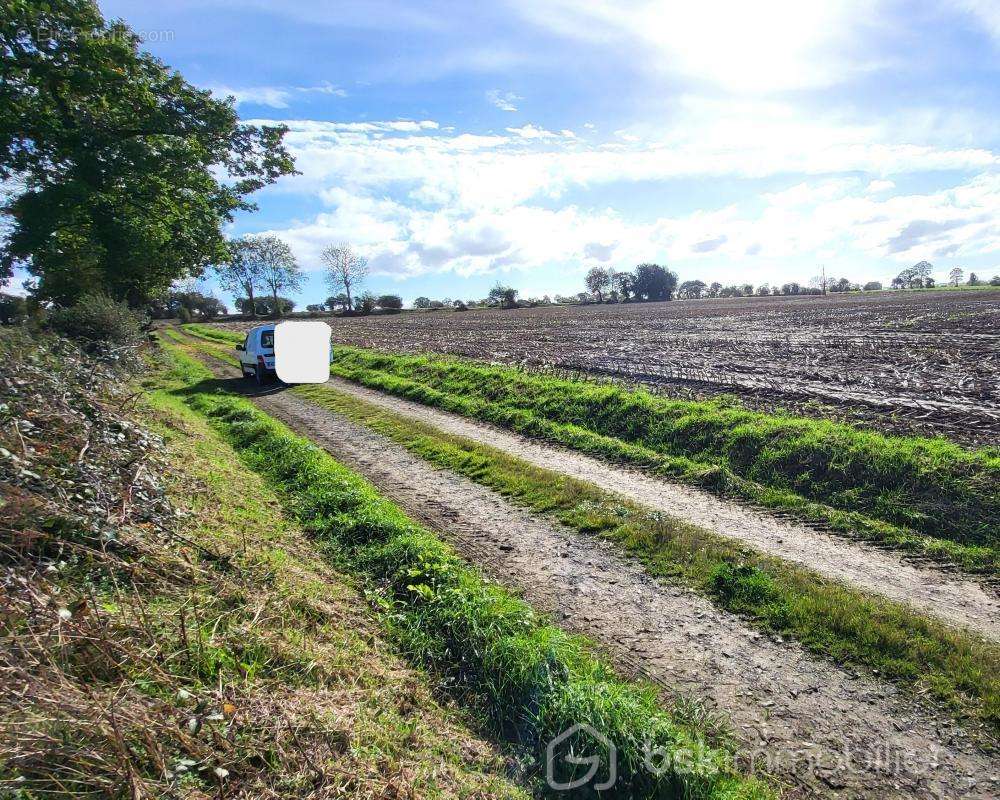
x=347, y=291
x=277, y=306
x=253, y=304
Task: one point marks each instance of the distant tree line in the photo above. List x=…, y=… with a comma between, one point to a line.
x=649, y=282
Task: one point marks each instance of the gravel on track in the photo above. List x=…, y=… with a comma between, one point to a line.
x=824, y=730
x=955, y=599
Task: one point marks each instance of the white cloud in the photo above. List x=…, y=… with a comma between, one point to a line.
x=503, y=100
x=272, y=96
x=880, y=186
x=986, y=12
x=770, y=45
x=529, y=131
x=417, y=198
x=275, y=96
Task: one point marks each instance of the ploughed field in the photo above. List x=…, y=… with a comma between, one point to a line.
x=911, y=362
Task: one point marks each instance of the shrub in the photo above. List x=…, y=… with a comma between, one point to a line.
x=13, y=309
x=98, y=318
x=390, y=302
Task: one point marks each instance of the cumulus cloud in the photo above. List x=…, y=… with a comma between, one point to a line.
x=418, y=198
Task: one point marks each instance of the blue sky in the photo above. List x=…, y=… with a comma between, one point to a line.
x=456, y=144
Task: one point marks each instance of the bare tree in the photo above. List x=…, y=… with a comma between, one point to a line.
x=278, y=269
x=345, y=269
x=598, y=279
x=242, y=275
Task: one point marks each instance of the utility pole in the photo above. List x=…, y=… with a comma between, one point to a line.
x=822, y=281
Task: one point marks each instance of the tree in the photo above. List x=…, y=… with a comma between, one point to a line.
x=995, y=280
x=345, y=269
x=974, y=279
x=125, y=172
x=955, y=276
x=12, y=309
x=690, y=290
x=186, y=304
x=390, y=302
x=747, y=289
x=314, y=308
x=598, y=280
x=653, y=282
x=279, y=271
x=763, y=290
x=335, y=301
x=714, y=289
x=506, y=296
x=621, y=284
x=790, y=288
x=422, y=302
x=365, y=303
x=873, y=286
x=242, y=273
x=916, y=277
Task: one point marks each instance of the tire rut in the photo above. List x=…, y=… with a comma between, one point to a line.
x=951, y=597
x=825, y=731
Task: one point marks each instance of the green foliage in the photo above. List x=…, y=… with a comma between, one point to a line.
x=877, y=485
x=128, y=171
x=98, y=318
x=653, y=282
x=505, y=296
x=536, y=679
x=390, y=302
x=836, y=621
x=365, y=303
x=13, y=309
x=186, y=306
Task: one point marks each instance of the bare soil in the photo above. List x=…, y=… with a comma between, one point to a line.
x=909, y=362
x=824, y=730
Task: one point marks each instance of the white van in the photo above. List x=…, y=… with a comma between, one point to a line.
x=257, y=353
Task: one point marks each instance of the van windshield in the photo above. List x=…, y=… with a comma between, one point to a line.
x=267, y=339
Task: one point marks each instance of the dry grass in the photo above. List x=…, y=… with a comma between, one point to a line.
x=208, y=655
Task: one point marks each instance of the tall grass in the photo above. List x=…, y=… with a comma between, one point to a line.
x=535, y=680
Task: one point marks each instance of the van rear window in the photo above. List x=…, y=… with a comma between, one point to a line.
x=267, y=339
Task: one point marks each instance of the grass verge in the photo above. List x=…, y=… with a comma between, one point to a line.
x=925, y=495
x=221, y=659
x=843, y=624
x=534, y=680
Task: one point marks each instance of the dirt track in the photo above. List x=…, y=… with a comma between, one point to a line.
x=826, y=731
x=952, y=598
x=800, y=715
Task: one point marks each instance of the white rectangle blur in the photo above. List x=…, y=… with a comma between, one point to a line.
x=302, y=351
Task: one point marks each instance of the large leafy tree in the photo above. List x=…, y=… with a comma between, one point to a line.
x=124, y=172
x=653, y=282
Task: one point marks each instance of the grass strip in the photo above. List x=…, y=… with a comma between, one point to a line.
x=923, y=495
x=842, y=624
x=317, y=645
x=537, y=680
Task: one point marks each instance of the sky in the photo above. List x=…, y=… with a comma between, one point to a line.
x=526, y=141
